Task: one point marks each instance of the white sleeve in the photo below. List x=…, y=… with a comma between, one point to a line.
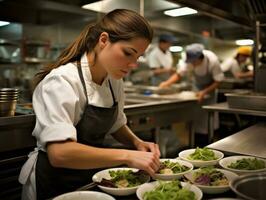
x=55, y=101
x=121, y=117
x=217, y=73
x=182, y=67
x=153, y=60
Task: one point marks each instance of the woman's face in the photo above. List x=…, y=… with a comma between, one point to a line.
x=119, y=58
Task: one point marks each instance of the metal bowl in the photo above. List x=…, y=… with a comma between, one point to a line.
x=7, y=108
x=250, y=187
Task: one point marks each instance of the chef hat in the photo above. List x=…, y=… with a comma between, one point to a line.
x=194, y=52
x=244, y=50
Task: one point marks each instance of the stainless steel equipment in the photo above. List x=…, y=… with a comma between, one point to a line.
x=250, y=100
x=8, y=101
x=250, y=187
x=9, y=51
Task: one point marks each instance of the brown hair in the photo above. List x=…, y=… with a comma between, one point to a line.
x=120, y=24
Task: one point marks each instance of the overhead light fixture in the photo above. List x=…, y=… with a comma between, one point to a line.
x=180, y=12
x=176, y=49
x=3, y=23
x=244, y=42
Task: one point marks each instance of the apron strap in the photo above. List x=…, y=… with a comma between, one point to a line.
x=82, y=79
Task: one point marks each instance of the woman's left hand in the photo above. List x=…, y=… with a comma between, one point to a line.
x=148, y=146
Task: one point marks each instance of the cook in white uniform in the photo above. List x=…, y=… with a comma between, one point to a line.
x=234, y=67
x=160, y=59
x=207, y=74
x=78, y=100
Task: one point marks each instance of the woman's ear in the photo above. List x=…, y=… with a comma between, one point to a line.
x=103, y=39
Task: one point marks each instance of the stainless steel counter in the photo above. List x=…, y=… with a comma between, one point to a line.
x=224, y=107
x=250, y=141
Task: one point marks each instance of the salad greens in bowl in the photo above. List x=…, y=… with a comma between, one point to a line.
x=201, y=157
x=168, y=190
x=211, y=180
x=171, y=169
x=243, y=164
x=120, y=181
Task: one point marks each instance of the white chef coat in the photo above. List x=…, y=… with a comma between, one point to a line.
x=231, y=65
x=157, y=58
x=59, y=102
x=210, y=63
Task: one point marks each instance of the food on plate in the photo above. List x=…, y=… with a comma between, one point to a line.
x=204, y=154
x=124, y=179
x=170, y=190
x=168, y=167
x=210, y=176
x=247, y=164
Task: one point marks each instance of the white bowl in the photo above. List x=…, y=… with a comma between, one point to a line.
x=213, y=189
x=231, y=159
x=115, y=191
x=152, y=185
x=184, y=155
x=168, y=177
x=84, y=195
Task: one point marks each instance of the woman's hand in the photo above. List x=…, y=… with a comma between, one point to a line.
x=147, y=161
x=148, y=146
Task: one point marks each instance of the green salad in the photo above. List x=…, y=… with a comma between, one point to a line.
x=204, y=154
x=248, y=164
x=168, y=167
x=210, y=176
x=171, y=190
x=124, y=179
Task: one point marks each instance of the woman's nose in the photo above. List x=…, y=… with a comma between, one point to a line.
x=133, y=65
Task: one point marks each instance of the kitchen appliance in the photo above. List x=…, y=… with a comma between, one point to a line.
x=9, y=51
x=8, y=101
x=250, y=187
x=248, y=100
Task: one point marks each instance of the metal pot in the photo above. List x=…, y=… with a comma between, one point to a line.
x=250, y=187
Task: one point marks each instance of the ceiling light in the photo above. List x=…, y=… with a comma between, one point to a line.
x=3, y=23
x=176, y=49
x=244, y=42
x=180, y=12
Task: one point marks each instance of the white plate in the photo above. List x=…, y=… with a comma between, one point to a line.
x=200, y=163
x=228, y=160
x=115, y=191
x=84, y=195
x=213, y=189
x=168, y=177
x=151, y=186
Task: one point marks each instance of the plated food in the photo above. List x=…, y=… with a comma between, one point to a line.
x=172, y=169
x=201, y=157
x=170, y=190
x=83, y=195
x=211, y=180
x=120, y=181
x=243, y=164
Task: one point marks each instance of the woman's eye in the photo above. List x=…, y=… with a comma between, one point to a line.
x=127, y=53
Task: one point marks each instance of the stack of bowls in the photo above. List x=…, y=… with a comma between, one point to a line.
x=8, y=101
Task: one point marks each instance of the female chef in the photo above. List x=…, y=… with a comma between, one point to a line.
x=78, y=100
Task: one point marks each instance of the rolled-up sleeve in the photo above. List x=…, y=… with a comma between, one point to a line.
x=55, y=102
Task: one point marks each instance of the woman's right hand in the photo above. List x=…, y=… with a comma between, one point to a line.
x=147, y=161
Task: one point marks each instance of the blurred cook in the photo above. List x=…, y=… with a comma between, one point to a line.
x=235, y=66
x=160, y=59
x=206, y=73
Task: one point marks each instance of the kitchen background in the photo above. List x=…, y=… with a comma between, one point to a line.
x=40, y=29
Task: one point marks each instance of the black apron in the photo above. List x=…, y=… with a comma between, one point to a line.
x=91, y=130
